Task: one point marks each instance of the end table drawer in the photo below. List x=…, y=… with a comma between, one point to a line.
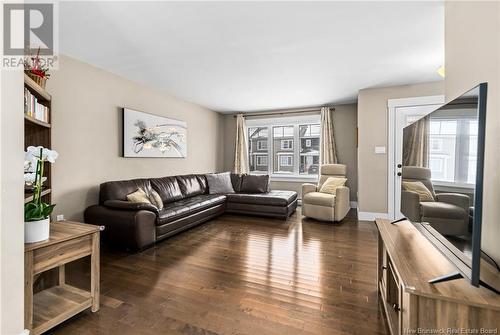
x=52, y=256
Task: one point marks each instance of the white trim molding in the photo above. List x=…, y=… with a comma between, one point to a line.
x=392, y=105
x=371, y=216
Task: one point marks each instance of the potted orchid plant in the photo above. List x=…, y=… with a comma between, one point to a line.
x=36, y=212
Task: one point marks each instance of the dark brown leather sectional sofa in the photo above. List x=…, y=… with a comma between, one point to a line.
x=187, y=203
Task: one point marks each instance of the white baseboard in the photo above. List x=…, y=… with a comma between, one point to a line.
x=370, y=216
x=25, y=332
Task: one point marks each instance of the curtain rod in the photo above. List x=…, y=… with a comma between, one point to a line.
x=283, y=112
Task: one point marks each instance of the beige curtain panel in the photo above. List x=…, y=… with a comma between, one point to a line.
x=327, y=152
x=415, y=144
x=241, y=147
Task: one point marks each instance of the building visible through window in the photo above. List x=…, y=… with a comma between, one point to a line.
x=286, y=146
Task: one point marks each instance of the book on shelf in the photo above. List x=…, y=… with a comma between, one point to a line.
x=33, y=108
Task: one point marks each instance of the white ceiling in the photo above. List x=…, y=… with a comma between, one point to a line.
x=250, y=56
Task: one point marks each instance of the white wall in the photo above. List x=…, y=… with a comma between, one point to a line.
x=11, y=203
x=86, y=132
x=472, y=49
x=372, y=129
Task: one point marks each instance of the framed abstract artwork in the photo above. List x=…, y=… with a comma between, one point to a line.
x=149, y=135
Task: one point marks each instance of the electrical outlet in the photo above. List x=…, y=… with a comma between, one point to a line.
x=60, y=217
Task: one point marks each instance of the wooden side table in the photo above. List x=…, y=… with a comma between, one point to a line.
x=68, y=242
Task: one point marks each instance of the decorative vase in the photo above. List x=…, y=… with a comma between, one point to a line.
x=36, y=231
x=37, y=79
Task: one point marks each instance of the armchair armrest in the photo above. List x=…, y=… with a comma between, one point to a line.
x=410, y=205
x=130, y=206
x=457, y=199
x=308, y=188
x=342, y=202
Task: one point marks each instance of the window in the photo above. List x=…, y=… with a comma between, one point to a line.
x=286, y=147
x=436, y=144
x=309, y=148
x=283, y=142
x=261, y=160
x=286, y=144
x=258, y=149
x=286, y=161
x=453, y=149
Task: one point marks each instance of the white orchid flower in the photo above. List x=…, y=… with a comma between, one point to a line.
x=47, y=154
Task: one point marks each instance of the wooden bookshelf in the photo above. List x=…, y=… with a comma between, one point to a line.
x=37, y=122
x=36, y=89
x=29, y=196
x=38, y=132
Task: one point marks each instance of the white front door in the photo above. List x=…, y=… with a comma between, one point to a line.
x=403, y=112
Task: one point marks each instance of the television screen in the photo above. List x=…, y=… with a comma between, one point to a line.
x=442, y=176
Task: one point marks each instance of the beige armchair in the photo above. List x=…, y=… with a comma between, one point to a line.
x=448, y=214
x=324, y=206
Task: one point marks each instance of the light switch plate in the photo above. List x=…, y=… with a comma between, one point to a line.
x=380, y=150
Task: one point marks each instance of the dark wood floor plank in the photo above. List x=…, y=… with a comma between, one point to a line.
x=242, y=275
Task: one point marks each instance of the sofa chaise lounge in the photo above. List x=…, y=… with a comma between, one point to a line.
x=187, y=203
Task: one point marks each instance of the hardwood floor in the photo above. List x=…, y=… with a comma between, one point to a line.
x=243, y=275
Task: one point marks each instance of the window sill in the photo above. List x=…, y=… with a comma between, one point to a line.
x=453, y=185
x=295, y=178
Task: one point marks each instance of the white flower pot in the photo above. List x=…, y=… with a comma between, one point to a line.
x=36, y=231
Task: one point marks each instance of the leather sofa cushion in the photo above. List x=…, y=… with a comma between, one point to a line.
x=182, y=223
x=188, y=206
x=257, y=209
x=272, y=198
x=118, y=190
x=190, y=185
x=168, y=188
x=203, y=183
x=319, y=199
x=255, y=183
x=441, y=210
x=236, y=180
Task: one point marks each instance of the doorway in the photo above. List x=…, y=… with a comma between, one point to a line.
x=403, y=112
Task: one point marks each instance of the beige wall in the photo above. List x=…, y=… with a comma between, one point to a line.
x=345, y=119
x=11, y=203
x=472, y=49
x=372, y=127
x=87, y=134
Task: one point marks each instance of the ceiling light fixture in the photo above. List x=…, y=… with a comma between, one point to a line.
x=440, y=71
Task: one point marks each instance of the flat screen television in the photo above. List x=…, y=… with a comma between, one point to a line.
x=442, y=180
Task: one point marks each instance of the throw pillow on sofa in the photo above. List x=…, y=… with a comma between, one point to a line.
x=141, y=196
x=255, y=183
x=156, y=199
x=219, y=183
x=331, y=184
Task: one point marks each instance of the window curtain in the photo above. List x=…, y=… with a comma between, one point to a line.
x=241, y=147
x=415, y=143
x=327, y=152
